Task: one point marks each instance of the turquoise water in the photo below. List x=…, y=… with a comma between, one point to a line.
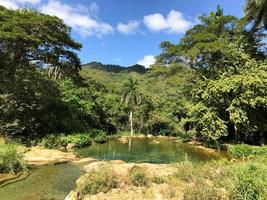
x=150, y=150
x=52, y=182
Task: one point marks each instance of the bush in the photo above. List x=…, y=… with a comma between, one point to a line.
x=80, y=140
x=202, y=191
x=250, y=182
x=10, y=160
x=53, y=142
x=100, y=180
x=138, y=177
x=186, y=136
x=57, y=141
x=100, y=137
x=244, y=150
x=186, y=171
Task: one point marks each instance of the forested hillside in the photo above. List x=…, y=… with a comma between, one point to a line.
x=211, y=86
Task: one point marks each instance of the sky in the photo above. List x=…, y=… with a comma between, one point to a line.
x=126, y=32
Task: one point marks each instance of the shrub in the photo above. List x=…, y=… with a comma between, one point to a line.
x=80, y=140
x=250, y=182
x=202, y=191
x=244, y=150
x=186, y=136
x=10, y=160
x=100, y=137
x=53, y=142
x=100, y=180
x=57, y=141
x=158, y=179
x=138, y=177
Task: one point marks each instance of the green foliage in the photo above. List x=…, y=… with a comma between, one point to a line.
x=53, y=142
x=57, y=141
x=255, y=11
x=233, y=105
x=22, y=44
x=247, y=151
x=100, y=137
x=186, y=136
x=100, y=180
x=138, y=177
x=250, y=182
x=224, y=180
x=11, y=160
x=79, y=140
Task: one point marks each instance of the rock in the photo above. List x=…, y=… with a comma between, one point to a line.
x=74, y=195
x=117, y=162
x=70, y=147
x=83, y=161
x=39, y=156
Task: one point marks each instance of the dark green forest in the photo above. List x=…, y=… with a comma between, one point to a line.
x=211, y=86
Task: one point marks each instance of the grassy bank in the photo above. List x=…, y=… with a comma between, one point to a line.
x=242, y=178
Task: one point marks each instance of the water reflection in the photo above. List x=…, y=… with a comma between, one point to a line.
x=152, y=150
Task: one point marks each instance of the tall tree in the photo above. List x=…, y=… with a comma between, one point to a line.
x=29, y=39
x=256, y=12
x=131, y=97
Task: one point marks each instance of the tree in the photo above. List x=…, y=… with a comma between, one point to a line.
x=131, y=97
x=29, y=42
x=234, y=106
x=207, y=46
x=256, y=12
x=29, y=39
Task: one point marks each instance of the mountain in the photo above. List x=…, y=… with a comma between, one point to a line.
x=116, y=68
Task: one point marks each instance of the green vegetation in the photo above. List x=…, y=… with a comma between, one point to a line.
x=225, y=181
x=210, y=87
x=78, y=139
x=10, y=160
x=247, y=151
x=138, y=177
x=100, y=180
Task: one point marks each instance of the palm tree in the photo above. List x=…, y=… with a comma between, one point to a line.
x=256, y=12
x=131, y=97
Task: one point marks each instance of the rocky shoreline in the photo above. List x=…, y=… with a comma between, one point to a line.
x=125, y=190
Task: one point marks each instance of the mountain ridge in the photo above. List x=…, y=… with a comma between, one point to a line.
x=115, y=68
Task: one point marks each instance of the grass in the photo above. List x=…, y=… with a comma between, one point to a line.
x=247, y=151
x=224, y=180
x=10, y=159
x=100, y=180
x=138, y=177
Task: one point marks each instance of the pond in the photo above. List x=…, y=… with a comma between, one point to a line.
x=51, y=182
x=54, y=182
x=149, y=150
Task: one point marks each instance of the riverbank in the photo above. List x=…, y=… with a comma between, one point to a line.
x=218, y=180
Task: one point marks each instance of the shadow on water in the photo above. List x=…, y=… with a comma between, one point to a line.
x=51, y=182
x=151, y=150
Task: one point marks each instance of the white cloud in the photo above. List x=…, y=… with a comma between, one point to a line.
x=129, y=28
x=147, y=61
x=94, y=8
x=14, y=4
x=119, y=59
x=174, y=22
x=77, y=18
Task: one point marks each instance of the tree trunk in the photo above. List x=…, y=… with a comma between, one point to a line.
x=131, y=122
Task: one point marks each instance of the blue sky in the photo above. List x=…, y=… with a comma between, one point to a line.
x=126, y=32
